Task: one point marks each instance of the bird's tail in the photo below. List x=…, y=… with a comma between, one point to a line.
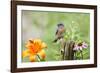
x=55, y=41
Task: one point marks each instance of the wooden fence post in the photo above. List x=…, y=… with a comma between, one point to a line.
x=68, y=50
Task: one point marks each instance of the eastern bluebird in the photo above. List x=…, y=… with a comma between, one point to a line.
x=60, y=31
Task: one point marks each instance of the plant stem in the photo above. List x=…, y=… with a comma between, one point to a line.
x=39, y=59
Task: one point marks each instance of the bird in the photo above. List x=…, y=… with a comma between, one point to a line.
x=59, y=32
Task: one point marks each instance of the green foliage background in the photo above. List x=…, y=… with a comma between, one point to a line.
x=43, y=25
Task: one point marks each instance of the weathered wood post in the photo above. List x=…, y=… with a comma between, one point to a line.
x=68, y=53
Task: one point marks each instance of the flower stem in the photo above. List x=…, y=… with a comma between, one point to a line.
x=39, y=59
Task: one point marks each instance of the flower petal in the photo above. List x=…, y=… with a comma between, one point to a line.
x=43, y=45
x=32, y=58
x=37, y=41
x=80, y=48
x=25, y=53
x=42, y=54
x=84, y=45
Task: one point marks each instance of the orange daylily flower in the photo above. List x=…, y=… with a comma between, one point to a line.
x=34, y=47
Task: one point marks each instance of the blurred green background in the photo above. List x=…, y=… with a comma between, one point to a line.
x=43, y=25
